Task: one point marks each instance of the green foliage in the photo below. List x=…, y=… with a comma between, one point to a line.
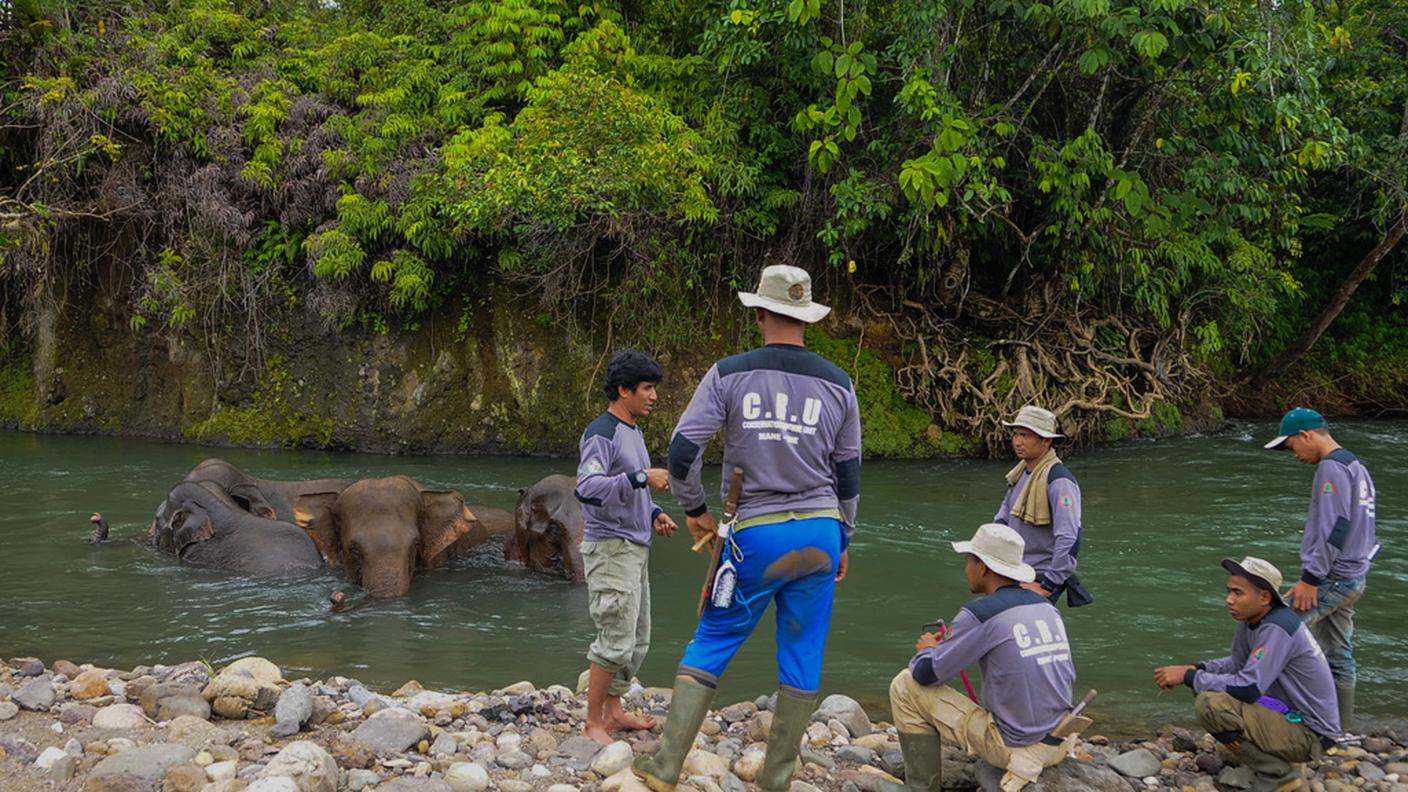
x=18, y=405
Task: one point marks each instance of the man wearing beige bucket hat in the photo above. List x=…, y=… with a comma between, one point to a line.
x=792, y=423
x=1272, y=701
x=1043, y=505
x=1019, y=641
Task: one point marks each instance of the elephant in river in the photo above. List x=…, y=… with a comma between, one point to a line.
x=268, y=498
x=203, y=526
x=547, y=529
x=379, y=531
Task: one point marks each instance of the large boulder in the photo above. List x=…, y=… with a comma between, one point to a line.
x=37, y=694
x=391, y=730
x=89, y=685
x=311, y=768
x=165, y=701
x=1139, y=763
x=846, y=710
x=245, y=688
x=294, y=708
x=148, y=763
x=1076, y=776
x=120, y=716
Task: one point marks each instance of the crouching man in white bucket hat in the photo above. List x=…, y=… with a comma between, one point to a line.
x=1017, y=638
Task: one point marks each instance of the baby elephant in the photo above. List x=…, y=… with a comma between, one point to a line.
x=379, y=531
x=547, y=529
x=202, y=525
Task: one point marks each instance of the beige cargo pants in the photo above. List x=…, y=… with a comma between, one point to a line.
x=956, y=718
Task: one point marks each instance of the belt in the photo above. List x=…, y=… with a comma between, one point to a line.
x=1050, y=740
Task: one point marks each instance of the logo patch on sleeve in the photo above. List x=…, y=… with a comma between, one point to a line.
x=595, y=466
x=1258, y=652
x=1066, y=501
x=1329, y=488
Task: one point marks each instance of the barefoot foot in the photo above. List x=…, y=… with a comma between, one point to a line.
x=599, y=733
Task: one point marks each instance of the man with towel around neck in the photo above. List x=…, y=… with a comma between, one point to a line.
x=1043, y=507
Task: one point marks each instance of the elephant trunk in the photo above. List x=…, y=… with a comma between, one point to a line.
x=385, y=581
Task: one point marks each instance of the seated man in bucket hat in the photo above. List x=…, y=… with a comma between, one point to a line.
x=1043, y=506
x=1019, y=641
x=1272, y=701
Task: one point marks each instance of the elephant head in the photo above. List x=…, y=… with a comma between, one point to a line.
x=184, y=517
x=380, y=530
x=203, y=526
x=548, y=527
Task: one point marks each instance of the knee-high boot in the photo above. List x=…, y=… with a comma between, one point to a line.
x=1345, y=694
x=1269, y=773
x=789, y=723
x=688, y=706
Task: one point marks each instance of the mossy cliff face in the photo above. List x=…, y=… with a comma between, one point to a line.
x=487, y=375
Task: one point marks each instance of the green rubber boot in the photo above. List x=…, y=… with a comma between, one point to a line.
x=1346, y=707
x=923, y=761
x=688, y=706
x=1269, y=773
x=789, y=722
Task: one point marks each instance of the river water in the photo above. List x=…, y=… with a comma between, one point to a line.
x=1159, y=515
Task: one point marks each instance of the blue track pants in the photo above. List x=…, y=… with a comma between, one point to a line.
x=793, y=563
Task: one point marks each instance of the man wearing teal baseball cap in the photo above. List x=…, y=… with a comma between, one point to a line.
x=1338, y=546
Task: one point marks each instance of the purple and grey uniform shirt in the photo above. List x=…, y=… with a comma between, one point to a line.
x=611, y=482
x=1339, y=531
x=1019, y=641
x=1275, y=657
x=790, y=419
x=1050, y=549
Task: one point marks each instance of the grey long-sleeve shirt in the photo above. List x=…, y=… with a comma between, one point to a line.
x=1340, y=528
x=1018, y=640
x=611, y=482
x=1277, y=657
x=1050, y=549
x=790, y=419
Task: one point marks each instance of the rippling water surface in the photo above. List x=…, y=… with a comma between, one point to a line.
x=1158, y=517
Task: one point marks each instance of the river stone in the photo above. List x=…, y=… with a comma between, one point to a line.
x=1209, y=763
x=165, y=701
x=357, y=780
x=391, y=730
x=577, y=752
x=517, y=689
x=1370, y=772
x=760, y=726
x=221, y=771
x=856, y=754
x=89, y=685
x=1136, y=764
x=307, y=764
x=814, y=756
x=445, y=744
x=18, y=748
x=148, y=763
x=846, y=710
x=612, y=759
x=120, y=782
x=119, y=716
x=562, y=788
x=699, y=762
x=467, y=777
x=408, y=784
x=256, y=667
x=748, y=765
x=66, y=668
x=273, y=784
x=185, y=778
x=350, y=752
x=294, y=708
x=624, y=781
x=64, y=769
x=514, y=760
x=195, y=732
x=1235, y=777
x=8, y=709
x=28, y=666
x=37, y=694
x=49, y=756
x=72, y=714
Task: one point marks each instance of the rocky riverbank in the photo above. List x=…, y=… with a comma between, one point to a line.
x=185, y=728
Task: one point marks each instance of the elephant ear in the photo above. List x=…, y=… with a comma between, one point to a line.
x=190, y=526
x=444, y=519
x=252, y=500
x=316, y=513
